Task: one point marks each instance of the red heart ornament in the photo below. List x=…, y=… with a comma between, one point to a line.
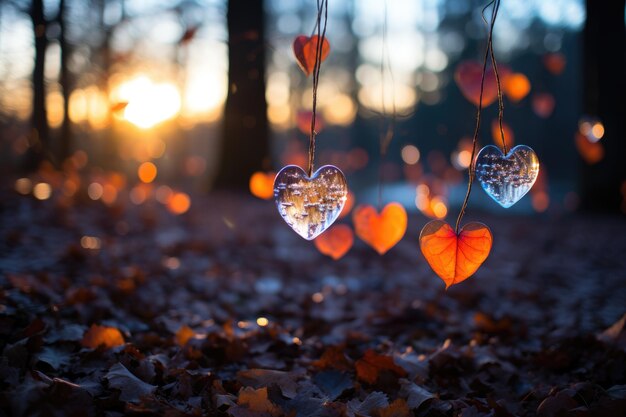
x=305, y=49
x=380, y=231
x=455, y=257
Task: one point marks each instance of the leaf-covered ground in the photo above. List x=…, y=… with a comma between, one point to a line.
x=224, y=311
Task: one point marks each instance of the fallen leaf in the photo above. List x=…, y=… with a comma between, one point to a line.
x=256, y=400
x=333, y=383
x=558, y=404
x=334, y=357
x=257, y=378
x=370, y=405
x=336, y=241
x=131, y=388
x=454, y=258
x=371, y=364
x=414, y=394
x=183, y=335
x=69, y=333
x=56, y=358
x=381, y=231
x=305, y=50
x=616, y=334
x=398, y=408
x=105, y=336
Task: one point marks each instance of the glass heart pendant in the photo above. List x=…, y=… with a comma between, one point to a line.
x=309, y=205
x=507, y=178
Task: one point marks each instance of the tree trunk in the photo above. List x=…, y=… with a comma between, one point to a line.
x=65, y=142
x=245, y=141
x=603, y=73
x=39, y=120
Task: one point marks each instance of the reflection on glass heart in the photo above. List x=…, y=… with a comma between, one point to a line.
x=507, y=178
x=310, y=205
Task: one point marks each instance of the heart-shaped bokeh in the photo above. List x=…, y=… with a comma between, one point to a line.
x=336, y=242
x=380, y=231
x=310, y=205
x=507, y=178
x=468, y=76
x=262, y=184
x=455, y=257
x=305, y=49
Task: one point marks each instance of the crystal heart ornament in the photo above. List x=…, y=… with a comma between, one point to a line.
x=507, y=178
x=310, y=205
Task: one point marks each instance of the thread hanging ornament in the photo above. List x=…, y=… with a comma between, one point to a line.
x=456, y=254
x=505, y=175
x=310, y=202
x=383, y=227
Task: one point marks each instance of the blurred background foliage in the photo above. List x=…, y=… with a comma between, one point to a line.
x=159, y=99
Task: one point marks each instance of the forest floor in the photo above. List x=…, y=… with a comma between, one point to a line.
x=225, y=311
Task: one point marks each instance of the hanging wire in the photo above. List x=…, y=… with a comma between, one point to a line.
x=488, y=49
x=494, y=13
x=322, y=8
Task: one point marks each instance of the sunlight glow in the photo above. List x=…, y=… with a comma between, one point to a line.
x=148, y=103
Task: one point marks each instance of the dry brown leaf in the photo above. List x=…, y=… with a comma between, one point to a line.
x=256, y=400
x=371, y=364
x=398, y=408
x=333, y=358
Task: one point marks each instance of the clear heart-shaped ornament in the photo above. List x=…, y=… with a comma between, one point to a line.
x=309, y=205
x=507, y=178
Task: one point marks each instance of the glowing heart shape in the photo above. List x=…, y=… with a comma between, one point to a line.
x=310, y=205
x=516, y=86
x=507, y=178
x=455, y=257
x=336, y=242
x=305, y=49
x=262, y=184
x=380, y=231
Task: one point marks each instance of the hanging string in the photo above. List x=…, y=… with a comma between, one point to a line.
x=494, y=13
x=322, y=7
x=385, y=135
x=488, y=49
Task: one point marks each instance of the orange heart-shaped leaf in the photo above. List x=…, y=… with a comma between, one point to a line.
x=455, y=257
x=380, y=231
x=305, y=49
x=262, y=184
x=336, y=241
